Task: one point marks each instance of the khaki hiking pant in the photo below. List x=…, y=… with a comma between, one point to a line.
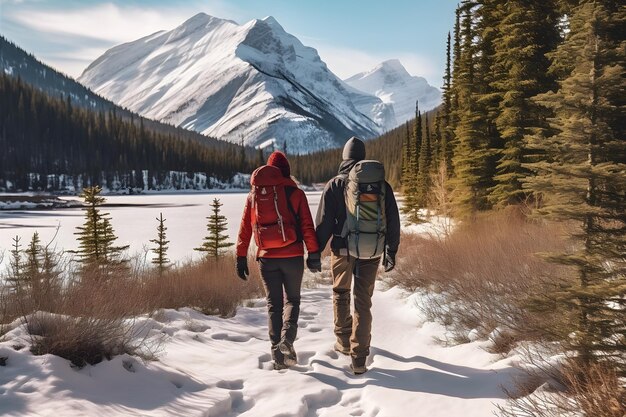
x=353, y=330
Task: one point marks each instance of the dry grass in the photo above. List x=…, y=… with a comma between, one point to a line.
x=590, y=390
x=483, y=274
x=86, y=322
x=6, y=310
x=210, y=286
x=90, y=318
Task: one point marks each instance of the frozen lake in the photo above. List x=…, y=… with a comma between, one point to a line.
x=134, y=220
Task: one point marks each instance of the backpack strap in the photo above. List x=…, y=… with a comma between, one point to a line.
x=289, y=192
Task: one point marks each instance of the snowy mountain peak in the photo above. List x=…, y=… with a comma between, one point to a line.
x=392, y=65
x=203, y=20
x=392, y=83
x=270, y=20
x=253, y=81
x=197, y=26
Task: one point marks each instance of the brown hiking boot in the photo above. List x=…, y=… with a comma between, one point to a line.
x=344, y=350
x=286, y=348
x=358, y=366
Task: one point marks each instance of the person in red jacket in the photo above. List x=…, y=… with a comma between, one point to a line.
x=282, y=266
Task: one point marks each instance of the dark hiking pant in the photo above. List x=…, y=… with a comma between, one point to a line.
x=353, y=330
x=282, y=279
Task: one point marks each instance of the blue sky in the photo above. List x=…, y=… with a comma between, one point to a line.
x=350, y=35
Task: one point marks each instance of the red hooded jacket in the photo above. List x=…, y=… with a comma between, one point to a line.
x=300, y=205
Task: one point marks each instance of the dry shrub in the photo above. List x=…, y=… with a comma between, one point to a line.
x=483, y=274
x=84, y=339
x=91, y=320
x=591, y=390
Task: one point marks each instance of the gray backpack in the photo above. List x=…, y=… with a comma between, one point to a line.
x=366, y=222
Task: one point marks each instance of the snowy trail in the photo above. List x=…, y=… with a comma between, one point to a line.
x=221, y=367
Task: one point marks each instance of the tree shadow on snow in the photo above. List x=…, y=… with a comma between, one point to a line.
x=446, y=379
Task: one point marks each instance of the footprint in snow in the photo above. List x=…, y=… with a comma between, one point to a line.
x=237, y=384
x=265, y=361
x=231, y=338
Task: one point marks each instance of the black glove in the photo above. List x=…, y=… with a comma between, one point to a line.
x=242, y=267
x=389, y=261
x=313, y=262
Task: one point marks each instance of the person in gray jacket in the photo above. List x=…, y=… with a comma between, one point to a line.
x=353, y=332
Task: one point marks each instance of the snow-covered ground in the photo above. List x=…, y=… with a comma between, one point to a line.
x=134, y=220
x=209, y=366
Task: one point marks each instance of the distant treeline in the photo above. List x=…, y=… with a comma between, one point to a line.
x=319, y=167
x=43, y=137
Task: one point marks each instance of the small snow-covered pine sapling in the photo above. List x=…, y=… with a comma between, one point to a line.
x=216, y=240
x=160, y=250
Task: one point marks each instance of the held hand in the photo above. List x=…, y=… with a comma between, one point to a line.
x=242, y=268
x=390, y=261
x=313, y=262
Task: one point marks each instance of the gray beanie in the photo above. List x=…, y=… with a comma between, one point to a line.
x=354, y=149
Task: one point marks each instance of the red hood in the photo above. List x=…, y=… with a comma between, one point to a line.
x=270, y=175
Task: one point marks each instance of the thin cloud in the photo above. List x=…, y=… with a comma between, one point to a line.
x=107, y=22
x=87, y=32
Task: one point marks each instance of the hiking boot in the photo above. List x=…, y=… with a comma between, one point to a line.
x=286, y=348
x=344, y=350
x=358, y=366
x=278, y=366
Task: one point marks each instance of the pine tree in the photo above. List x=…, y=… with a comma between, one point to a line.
x=424, y=171
x=411, y=204
x=260, y=157
x=444, y=127
x=242, y=154
x=526, y=32
x=408, y=175
x=32, y=269
x=454, y=87
x=582, y=178
x=89, y=234
x=50, y=279
x=160, y=250
x=406, y=156
x=111, y=253
x=216, y=240
x=472, y=151
x=16, y=280
x=418, y=135
x=97, y=252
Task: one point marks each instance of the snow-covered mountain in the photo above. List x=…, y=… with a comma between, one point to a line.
x=391, y=82
x=253, y=82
